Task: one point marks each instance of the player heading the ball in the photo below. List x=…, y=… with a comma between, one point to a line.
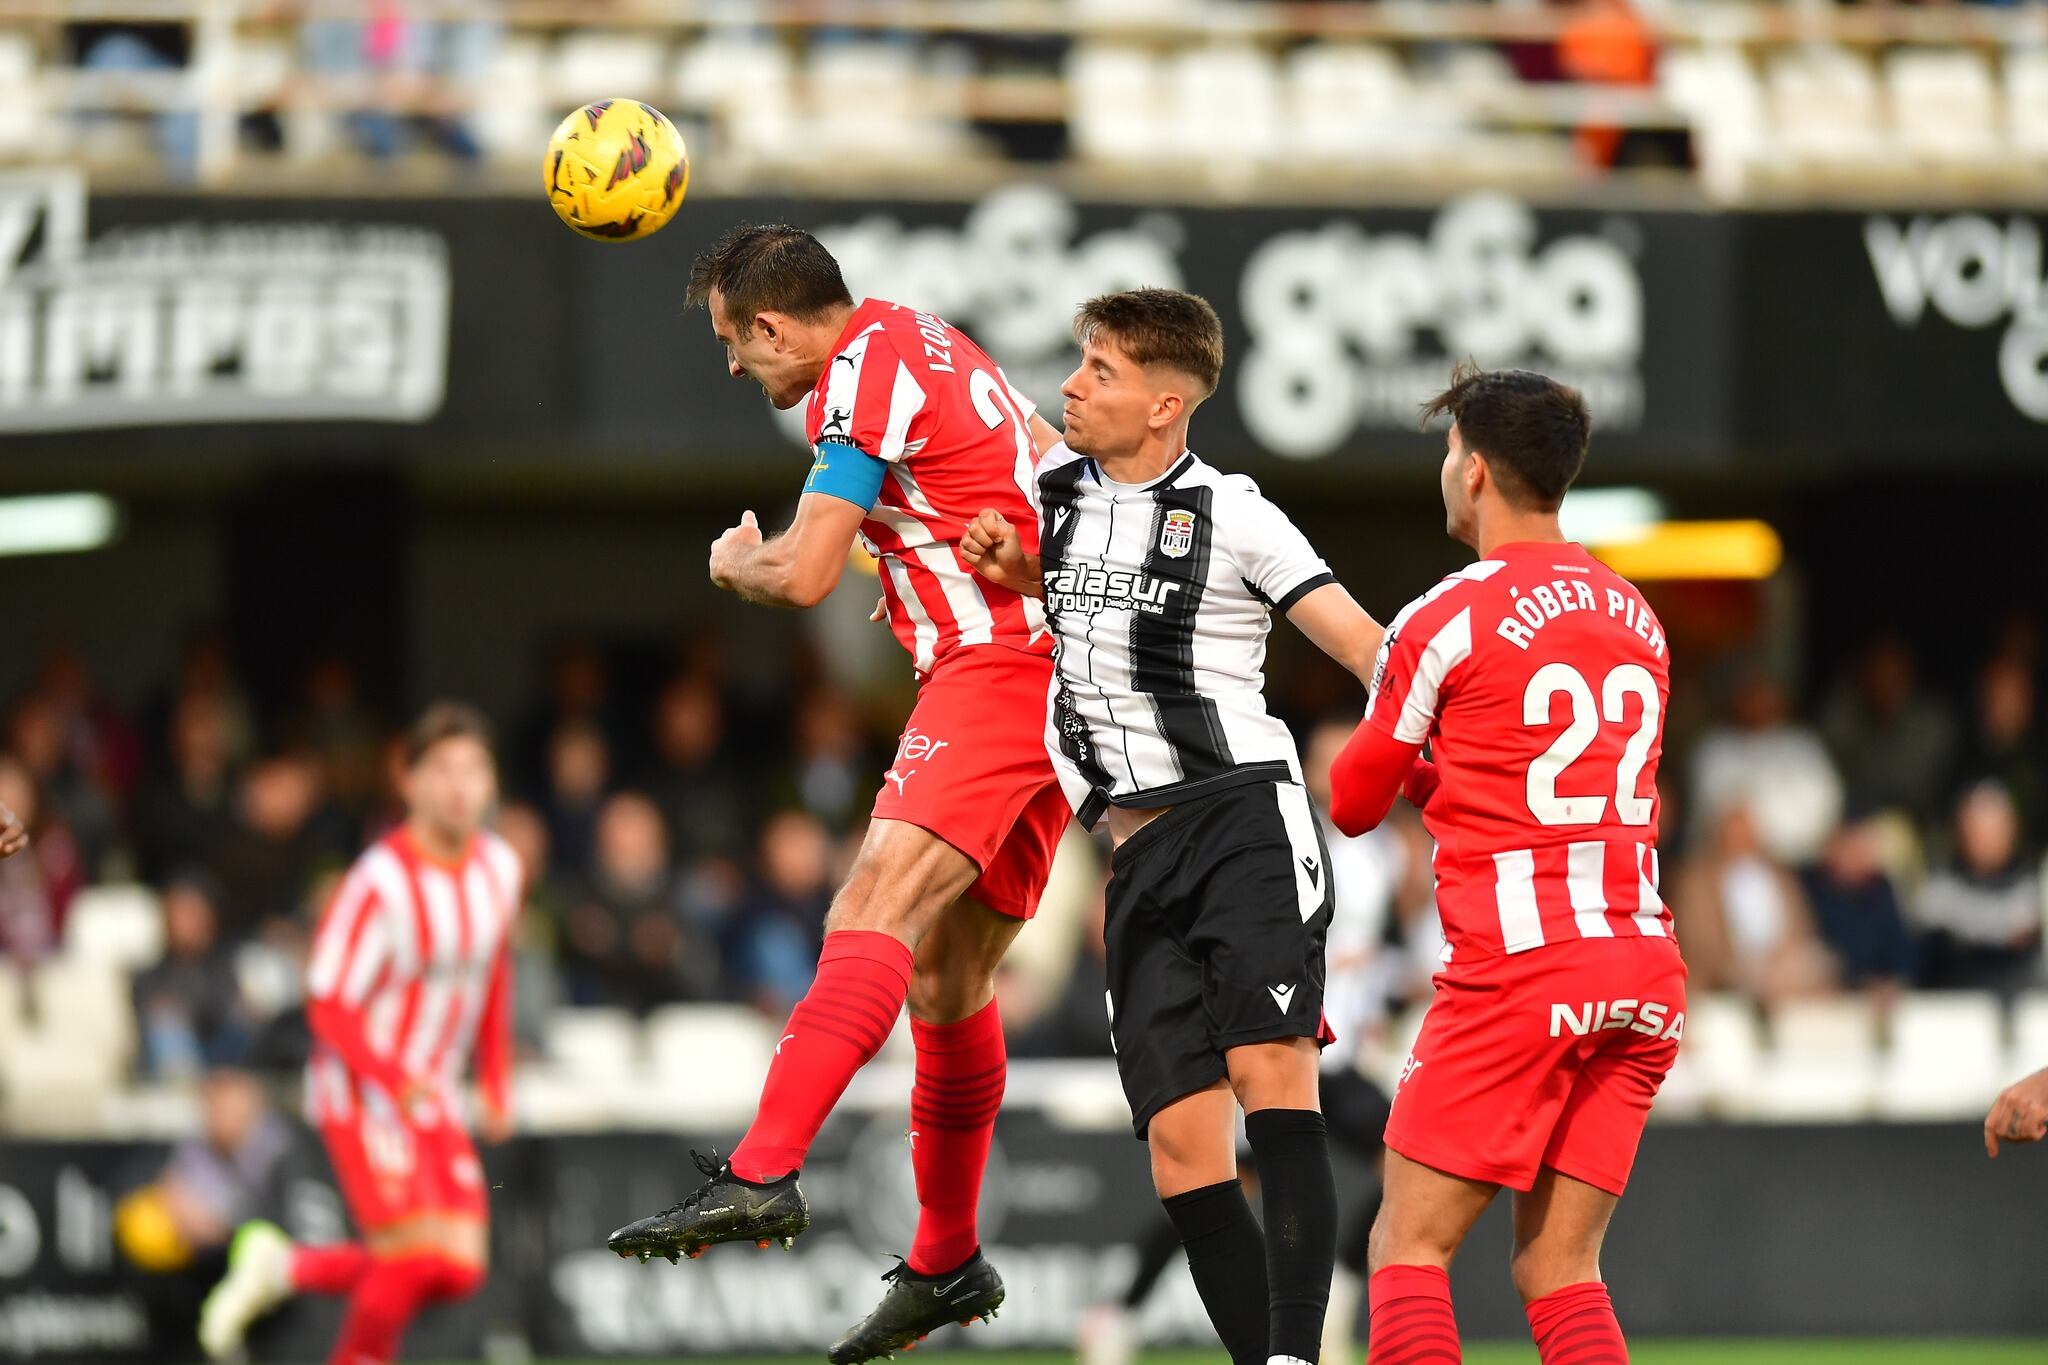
x=913, y=429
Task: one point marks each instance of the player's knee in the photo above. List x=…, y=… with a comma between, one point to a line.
x=1539, y=1268
x=1399, y=1240
x=947, y=991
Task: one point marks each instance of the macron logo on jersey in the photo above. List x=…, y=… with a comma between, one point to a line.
x=1283, y=996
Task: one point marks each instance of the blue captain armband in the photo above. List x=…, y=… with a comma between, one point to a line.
x=848, y=473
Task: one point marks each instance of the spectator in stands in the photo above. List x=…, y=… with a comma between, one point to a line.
x=274, y=844
x=629, y=941
x=1894, y=743
x=408, y=56
x=36, y=735
x=1772, y=765
x=1074, y=1025
x=536, y=940
x=1856, y=909
x=1743, y=921
x=702, y=796
x=578, y=688
x=1605, y=43
x=579, y=774
x=30, y=915
x=212, y=1183
x=189, y=1012
x=1983, y=911
x=832, y=777
x=143, y=48
x=342, y=734
x=185, y=812
x=772, y=944
x=2005, y=743
x=100, y=747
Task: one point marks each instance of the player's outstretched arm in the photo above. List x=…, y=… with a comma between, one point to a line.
x=798, y=568
x=13, y=837
x=2020, y=1114
x=1338, y=626
x=991, y=546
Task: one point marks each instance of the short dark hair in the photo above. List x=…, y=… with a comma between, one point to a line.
x=1531, y=429
x=768, y=268
x=1168, y=327
x=445, y=720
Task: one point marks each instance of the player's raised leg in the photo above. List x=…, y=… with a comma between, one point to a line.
x=901, y=882
x=1424, y=1218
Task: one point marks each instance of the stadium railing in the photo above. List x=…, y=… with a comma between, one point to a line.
x=1211, y=98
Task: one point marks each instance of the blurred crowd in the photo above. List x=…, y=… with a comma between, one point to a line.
x=684, y=836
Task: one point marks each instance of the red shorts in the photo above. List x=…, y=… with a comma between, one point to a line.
x=1549, y=1058
x=391, y=1168
x=972, y=768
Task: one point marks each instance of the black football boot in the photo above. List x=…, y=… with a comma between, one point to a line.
x=724, y=1208
x=917, y=1305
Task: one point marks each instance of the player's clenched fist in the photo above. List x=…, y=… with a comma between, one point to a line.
x=13, y=838
x=2020, y=1114
x=992, y=547
x=728, y=548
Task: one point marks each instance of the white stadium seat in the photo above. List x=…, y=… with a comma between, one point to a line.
x=91, y=1000
x=1226, y=107
x=1345, y=101
x=1718, y=91
x=57, y=1081
x=1824, y=101
x=882, y=101
x=1823, y=1063
x=1945, y=1057
x=12, y=1000
x=119, y=925
x=747, y=86
x=600, y=1043
x=596, y=64
x=1944, y=105
x=1119, y=101
x=19, y=116
x=511, y=119
x=1723, y=1045
x=2026, y=101
x=2029, y=1036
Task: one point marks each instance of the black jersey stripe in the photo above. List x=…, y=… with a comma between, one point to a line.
x=1058, y=492
x=1163, y=643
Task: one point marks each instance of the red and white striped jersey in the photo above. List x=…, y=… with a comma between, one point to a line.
x=920, y=396
x=1539, y=677
x=410, y=973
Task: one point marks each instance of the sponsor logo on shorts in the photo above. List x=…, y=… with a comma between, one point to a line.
x=1283, y=996
x=1408, y=1068
x=1647, y=1017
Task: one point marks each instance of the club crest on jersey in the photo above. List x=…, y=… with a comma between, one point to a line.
x=1177, y=536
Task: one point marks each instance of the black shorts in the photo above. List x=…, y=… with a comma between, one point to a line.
x=1216, y=916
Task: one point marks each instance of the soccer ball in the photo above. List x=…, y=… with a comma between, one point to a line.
x=616, y=170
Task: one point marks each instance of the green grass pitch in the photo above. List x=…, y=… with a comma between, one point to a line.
x=1759, y=1352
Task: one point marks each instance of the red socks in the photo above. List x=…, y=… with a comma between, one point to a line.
x=839, y=1025
x=1575, y=1325
x=331, y=1269
x=1411, y=1318
x=961, y=1069
x=388, y=1295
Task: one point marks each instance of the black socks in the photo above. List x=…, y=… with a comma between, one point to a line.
x=1228, y=1259
x=1300, y=1197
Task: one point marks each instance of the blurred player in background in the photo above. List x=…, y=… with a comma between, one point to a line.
x=913, y=431
x=409, y=975
x=1161, y=575
x=1539, y=678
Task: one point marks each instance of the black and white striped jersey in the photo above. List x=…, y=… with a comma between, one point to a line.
x=1160, y=597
